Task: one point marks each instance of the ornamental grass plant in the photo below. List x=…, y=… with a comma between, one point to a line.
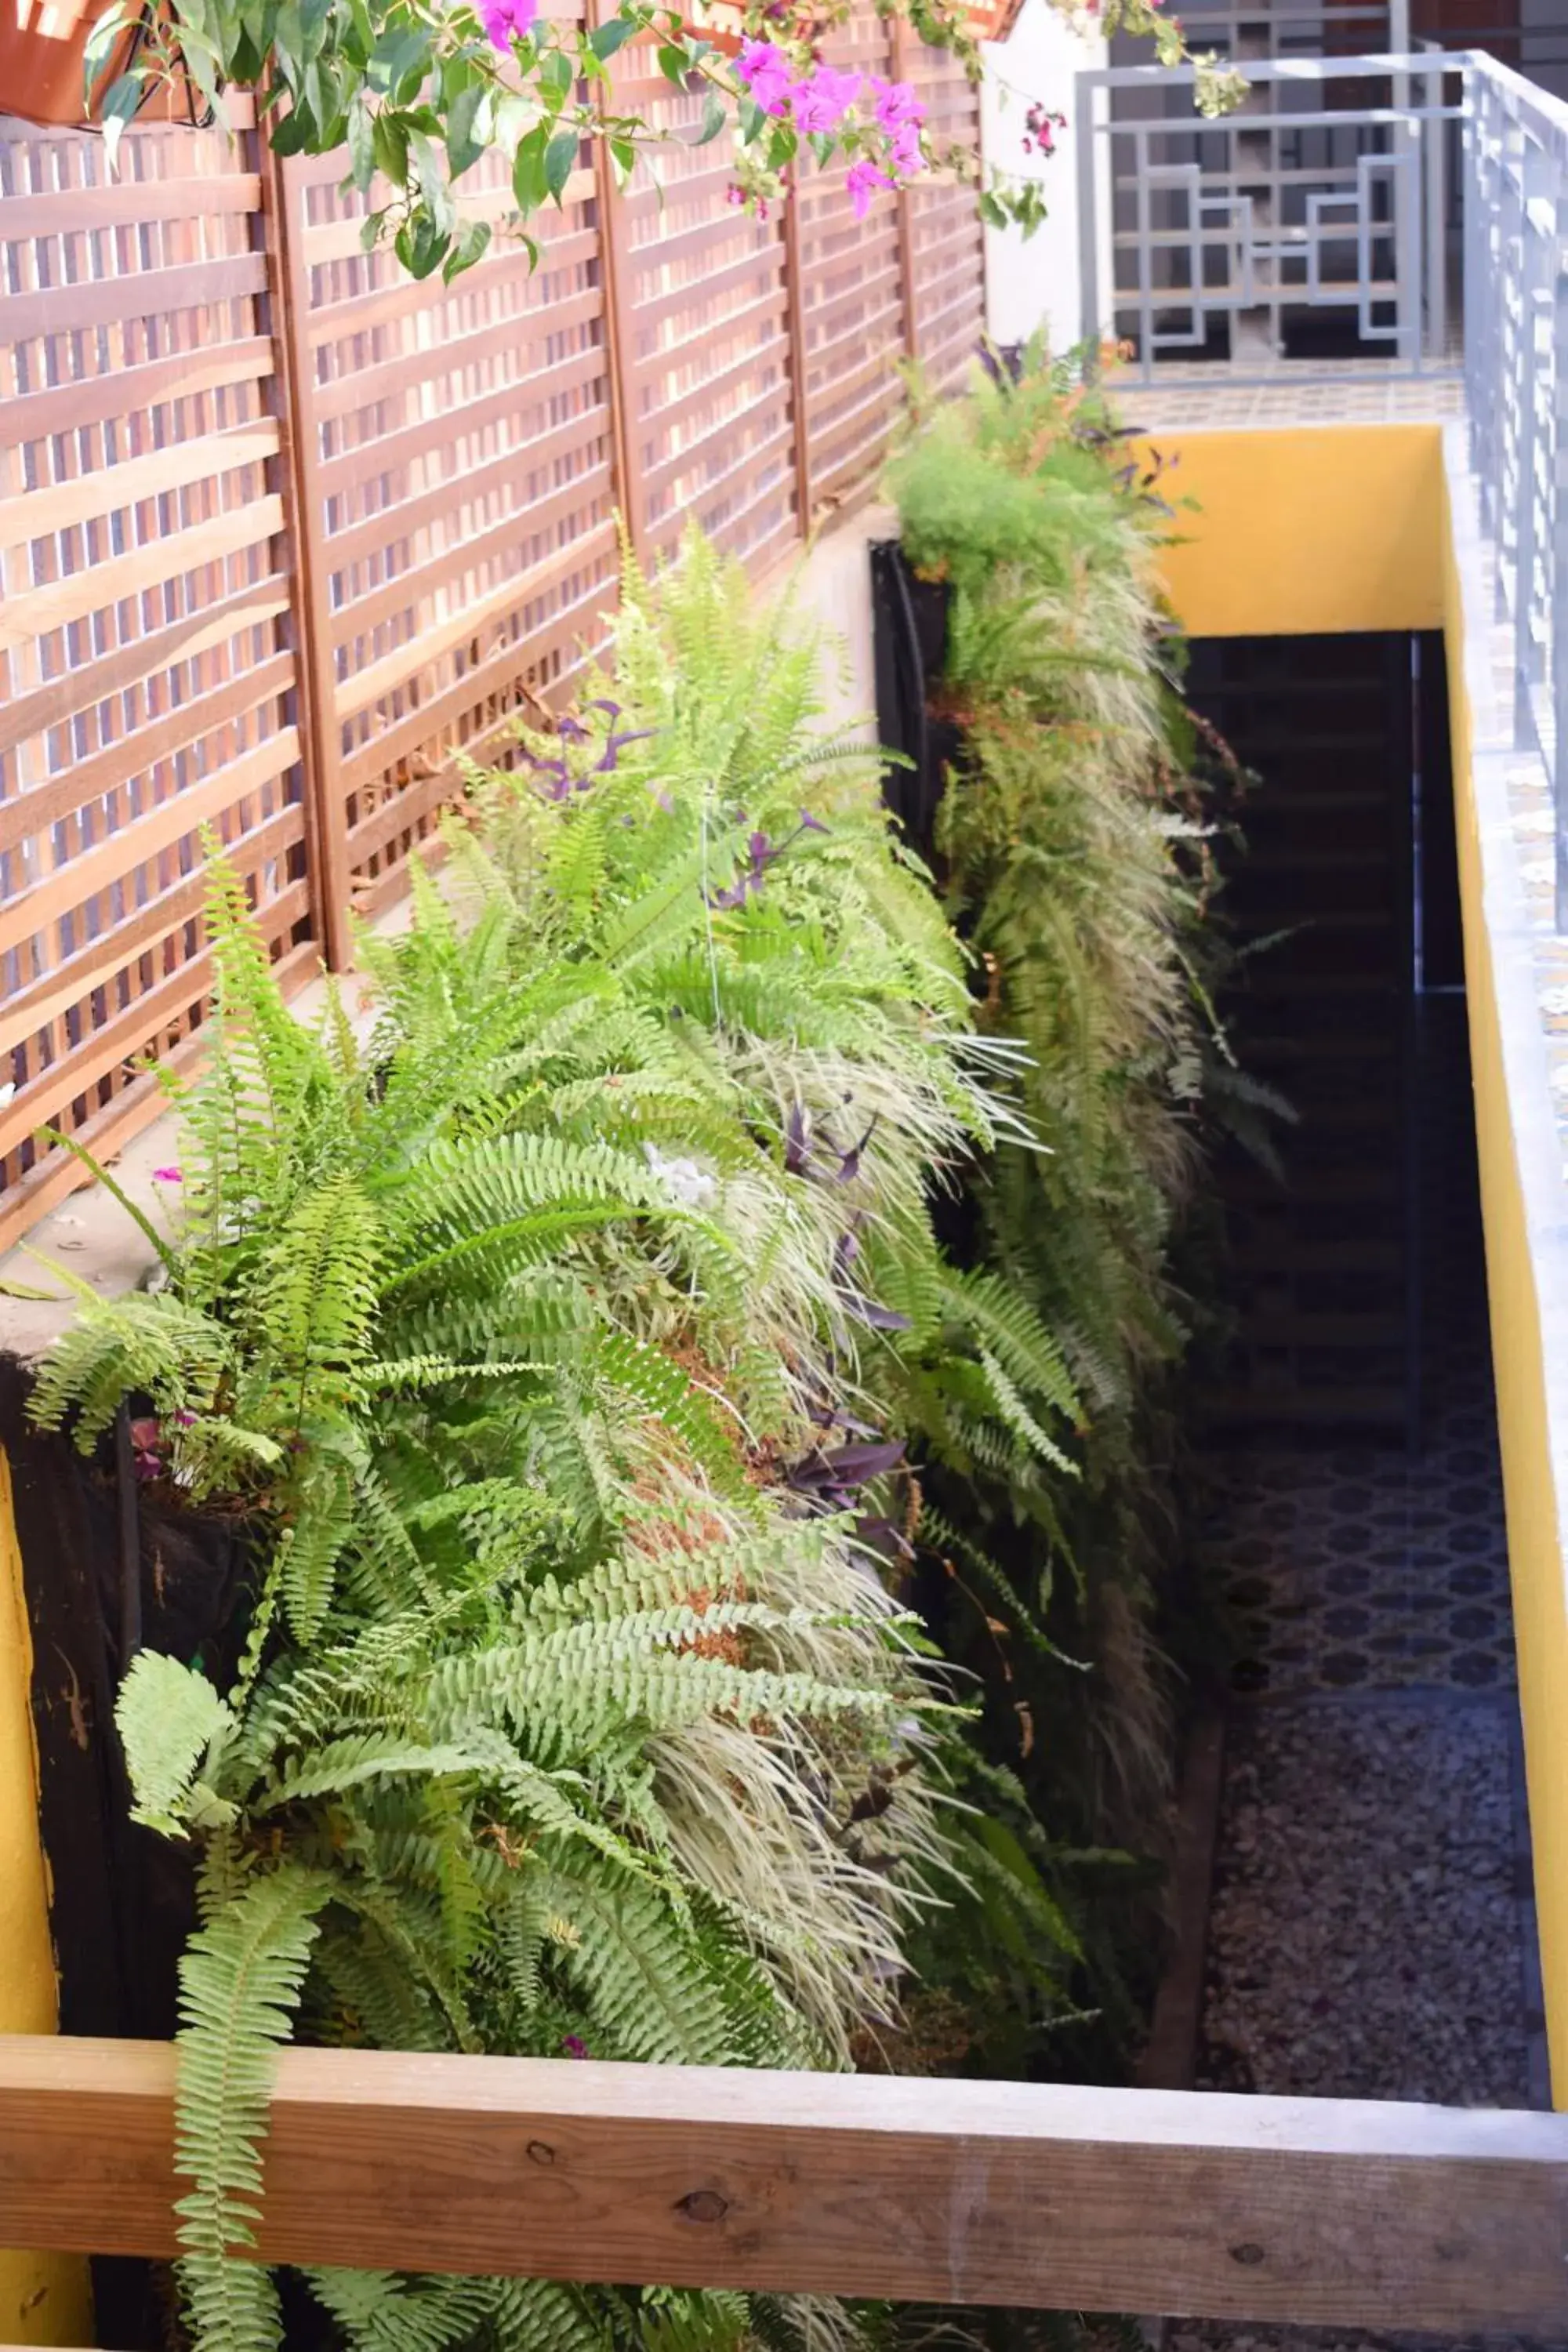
x=1076, y=842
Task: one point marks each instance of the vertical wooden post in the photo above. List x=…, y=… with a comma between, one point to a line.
x=905, y=50
x=320, y=737
x=618, y=272
x=795, y=315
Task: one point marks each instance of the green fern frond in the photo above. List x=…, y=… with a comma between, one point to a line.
x=171, y=1724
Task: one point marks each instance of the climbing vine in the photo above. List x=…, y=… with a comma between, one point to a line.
x=417, y=90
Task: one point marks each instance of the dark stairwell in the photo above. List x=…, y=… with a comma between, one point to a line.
x=1371, y=1930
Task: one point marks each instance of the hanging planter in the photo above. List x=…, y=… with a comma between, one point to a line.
x=718, y=21
x=992, y=20
x=43, y=45
x=43, y=64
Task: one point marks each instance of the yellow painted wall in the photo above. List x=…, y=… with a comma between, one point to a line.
x=1342, y=528
x=43, y=2297
x=1329, y=529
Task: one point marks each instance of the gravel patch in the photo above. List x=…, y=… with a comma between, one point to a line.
x=1367, y=1938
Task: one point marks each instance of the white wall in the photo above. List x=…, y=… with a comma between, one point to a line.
x=1037, y=284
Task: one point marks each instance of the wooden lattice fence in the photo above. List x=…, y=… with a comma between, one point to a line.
x=281, y=530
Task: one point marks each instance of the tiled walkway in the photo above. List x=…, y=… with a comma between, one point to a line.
x=1377, y=1568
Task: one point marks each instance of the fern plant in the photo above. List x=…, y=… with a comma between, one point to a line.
x=562, y=1342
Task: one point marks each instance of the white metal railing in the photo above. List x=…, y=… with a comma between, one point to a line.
x=1516, y=383
x=1324, y=203
x=1425, y=217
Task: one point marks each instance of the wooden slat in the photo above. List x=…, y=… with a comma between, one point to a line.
x=99, y=963
x=37, y=613
x=38, y=513
x=65, y=212
x=433, y=721
x=388, y=452
x=383, y=677
x=389, y=525
x=104, y=301
x=157, y=828
x=209, y=626
x=1339, y=2212
x=123, y=392
x=128, y=756
x=107, y=1131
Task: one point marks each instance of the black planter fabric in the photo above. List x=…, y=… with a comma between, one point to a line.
x=910, y=643
x=121, y=1898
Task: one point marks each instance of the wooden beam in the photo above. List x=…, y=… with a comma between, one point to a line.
x=1338, y=2212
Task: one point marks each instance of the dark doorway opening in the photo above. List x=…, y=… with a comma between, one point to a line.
x=1350, y=1005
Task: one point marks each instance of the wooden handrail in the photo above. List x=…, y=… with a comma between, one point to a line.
x=1326, y=2210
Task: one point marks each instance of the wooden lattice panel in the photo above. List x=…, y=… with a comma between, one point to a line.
x=852, y=302
x=281, y=531
x=146, y=680
x=459, y=469
x=947, y=242
x=701, y=310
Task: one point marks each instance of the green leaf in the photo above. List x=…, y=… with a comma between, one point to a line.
x=421, y=245
x=314, y=17
x=673, y=63
x=468, y=246
x=626, y=156
x=294, y=133
x=168, y=1718
x=101, y=45
x=466, y=125
x=362, y=145
x=559, y=160
x=714, y=117
x=527, y=181
x=555, y=78
x=432, y=183
x=400, y=61
x=389, y=140
x=605, y=39
x=118, y=108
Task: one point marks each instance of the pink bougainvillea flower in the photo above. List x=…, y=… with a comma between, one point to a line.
x=765, y=70
x=575, y=2045
x=905, y=149
x=503, y=18
x=168, y=1175
x=896, y=102
x=822, y=103
x=862, y=179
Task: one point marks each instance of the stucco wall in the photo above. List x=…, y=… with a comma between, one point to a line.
x=1037, y=284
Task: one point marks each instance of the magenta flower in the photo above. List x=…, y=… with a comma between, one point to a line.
x=905, y=149
x=765, y=70
x=168, y=1176
x=505, y=18
x=575, y=2045
x=896, y=102
x=822, y=103
x=861, y=179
